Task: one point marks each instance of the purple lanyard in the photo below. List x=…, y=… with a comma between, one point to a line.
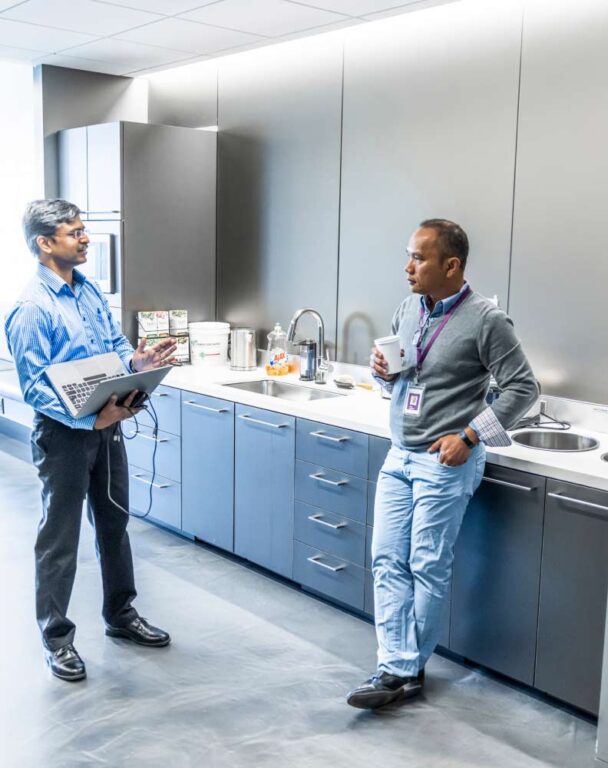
x=422, y=353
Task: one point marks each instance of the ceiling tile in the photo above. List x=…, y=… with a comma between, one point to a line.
x=4, y=4
x=130, y=56
x=164, y=7
x=354, y=7
x=39, y=38
x=84, y=16
x=183, y=35
x=18, y=54
x=263, y=17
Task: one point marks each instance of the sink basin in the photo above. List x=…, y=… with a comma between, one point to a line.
x=274, y=388
x=555, y=441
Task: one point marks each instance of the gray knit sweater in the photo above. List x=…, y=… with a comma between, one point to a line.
x=478, y=341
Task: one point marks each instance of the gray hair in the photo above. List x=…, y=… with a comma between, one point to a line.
x=42, y=217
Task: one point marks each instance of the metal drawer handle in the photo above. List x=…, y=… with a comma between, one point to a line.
x=320, y=477
x=319, y=519
x=259, y=421
x=206, y=407
x=323, y=436
x=148, y=437
x=509, y=485
x=316, y=559
x=589, y=504
x=159, y=394
x=147, y=482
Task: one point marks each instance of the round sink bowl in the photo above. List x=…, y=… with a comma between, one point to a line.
x=555, y=441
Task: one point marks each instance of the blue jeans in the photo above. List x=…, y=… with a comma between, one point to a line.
x=418, y=512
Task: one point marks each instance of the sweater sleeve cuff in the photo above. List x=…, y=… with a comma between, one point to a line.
x=489, y=430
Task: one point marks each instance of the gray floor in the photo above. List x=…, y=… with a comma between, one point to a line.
x=256, y=674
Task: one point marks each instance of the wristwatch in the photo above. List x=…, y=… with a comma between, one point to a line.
x=466, y=439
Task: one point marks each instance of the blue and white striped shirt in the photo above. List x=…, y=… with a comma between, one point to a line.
x=53, y=323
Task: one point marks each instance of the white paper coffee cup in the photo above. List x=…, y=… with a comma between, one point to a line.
x=390, y=346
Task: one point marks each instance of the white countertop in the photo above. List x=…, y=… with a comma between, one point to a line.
x=365, y=411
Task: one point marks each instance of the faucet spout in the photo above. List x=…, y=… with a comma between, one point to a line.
x=291, y=333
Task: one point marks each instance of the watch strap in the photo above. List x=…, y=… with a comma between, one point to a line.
x=466, y=439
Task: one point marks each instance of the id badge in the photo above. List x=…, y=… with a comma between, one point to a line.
x=413, y=399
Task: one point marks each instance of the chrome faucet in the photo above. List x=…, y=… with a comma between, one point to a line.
x=321, y=366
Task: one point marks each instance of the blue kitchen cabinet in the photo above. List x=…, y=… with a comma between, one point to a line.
x=155, y=462
x=264, y=488
x=208, y=469
x=155, y=498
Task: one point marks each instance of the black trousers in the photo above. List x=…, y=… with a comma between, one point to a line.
x=73, y=464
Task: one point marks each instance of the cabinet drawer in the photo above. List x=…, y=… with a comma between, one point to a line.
x=329, y=575
x=200, y=406
x=332, y=447
x=140, y=449
x=334, y=534
x=166, y=403
x=378, y=448
x=332, y=490
x=166, y=497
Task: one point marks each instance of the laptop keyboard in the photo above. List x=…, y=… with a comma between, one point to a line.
x=79, y=392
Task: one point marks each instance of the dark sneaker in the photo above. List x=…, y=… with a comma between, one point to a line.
x=382, y=689
x=140, y=632
x=65, y=663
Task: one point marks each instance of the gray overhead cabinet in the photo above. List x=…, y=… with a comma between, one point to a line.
x=147, y=193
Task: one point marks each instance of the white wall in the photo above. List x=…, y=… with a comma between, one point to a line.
x=18, y=181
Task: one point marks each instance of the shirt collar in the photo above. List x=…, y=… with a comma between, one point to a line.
x=56, y=283
x=443, y=305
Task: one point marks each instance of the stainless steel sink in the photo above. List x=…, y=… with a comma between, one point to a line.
x=284, y=391
x=555, y=441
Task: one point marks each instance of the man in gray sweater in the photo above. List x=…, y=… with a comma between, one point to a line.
x=452, y=340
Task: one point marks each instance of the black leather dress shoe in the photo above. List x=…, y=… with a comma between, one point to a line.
x=65, y=663
x=382, y=689
x=140, y=632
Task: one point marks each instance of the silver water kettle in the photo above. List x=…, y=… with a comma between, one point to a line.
x=242, y=349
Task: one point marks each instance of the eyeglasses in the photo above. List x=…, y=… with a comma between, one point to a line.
x=77, y=234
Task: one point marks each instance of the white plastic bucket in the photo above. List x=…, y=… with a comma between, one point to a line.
x=208, y=343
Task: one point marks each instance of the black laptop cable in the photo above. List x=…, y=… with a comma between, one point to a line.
x=117, y=435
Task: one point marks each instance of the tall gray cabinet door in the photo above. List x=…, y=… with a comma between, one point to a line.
x=169, y=220
x=430, y=113
x=264, y=488
x=561, y=189
x=574, y=585
x=72, y=157
x=104, y=159
x=496, y=574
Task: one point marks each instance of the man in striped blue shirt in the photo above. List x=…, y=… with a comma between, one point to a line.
x=63, y=316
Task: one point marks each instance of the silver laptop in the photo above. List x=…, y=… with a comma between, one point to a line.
x=85, y=386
